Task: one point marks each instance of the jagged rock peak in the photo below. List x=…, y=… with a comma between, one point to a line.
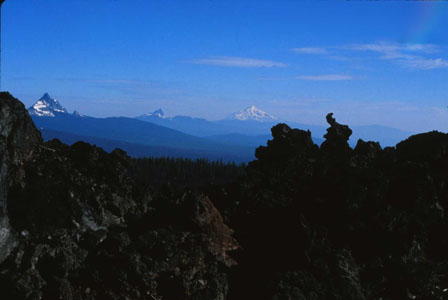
x=77, y=114
x=47, y=107
x=19, y=139
x=157, y=113
x=280, y=130
x=18, y=135
x=286, y=143
x=337, y=131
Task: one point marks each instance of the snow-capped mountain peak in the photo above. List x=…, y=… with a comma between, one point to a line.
x=77, y=114
x=252, y=114
x=157, y=113
x=47, y=107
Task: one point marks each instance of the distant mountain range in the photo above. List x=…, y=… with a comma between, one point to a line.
x=134, y=136
x=250, y=122
x=153, y=134
x=254, y=122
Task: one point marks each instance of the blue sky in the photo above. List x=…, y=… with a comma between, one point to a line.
x=368, y=62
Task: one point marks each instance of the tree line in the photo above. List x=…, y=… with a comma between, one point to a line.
x=182, y=172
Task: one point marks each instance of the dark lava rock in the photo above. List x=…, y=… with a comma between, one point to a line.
x=342, y=223
x=74, y=225
x=19, y=139
x=310, y=223
x=336, y=130
x=336, y=140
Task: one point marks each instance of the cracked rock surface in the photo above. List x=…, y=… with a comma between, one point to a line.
x=304, y=223
x=74, y=225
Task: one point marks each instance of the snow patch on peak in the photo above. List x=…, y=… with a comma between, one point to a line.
x=46, y=107
x=157, y=113
x=77, y=114
x=252, y=114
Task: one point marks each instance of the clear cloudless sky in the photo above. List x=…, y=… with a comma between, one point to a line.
x=369, y=62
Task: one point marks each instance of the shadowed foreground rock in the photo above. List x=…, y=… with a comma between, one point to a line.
x=19, y=139
x=310, y=223
x=75, y=226
x=342, y=223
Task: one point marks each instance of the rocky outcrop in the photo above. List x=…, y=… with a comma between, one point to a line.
x=335, y=146
x=19, y=139
x=76, y=226
x=336, y=132
x=310, y=222
x=341, y=223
